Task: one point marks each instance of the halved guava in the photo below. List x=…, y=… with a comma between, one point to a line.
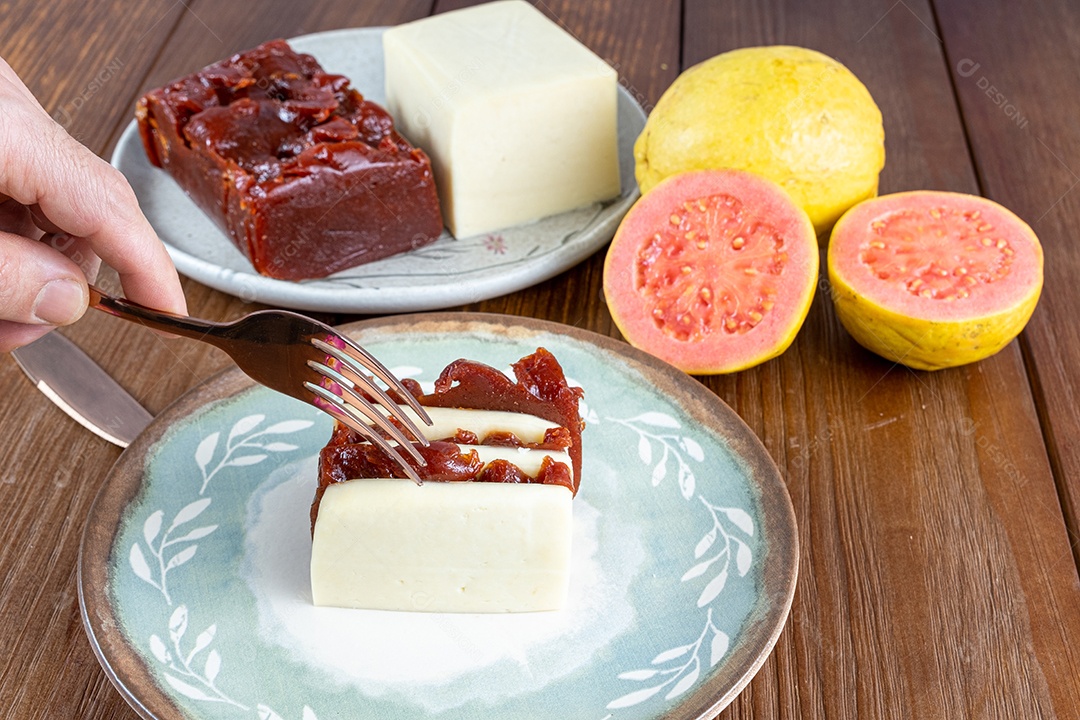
x=934, y=279
x=713, y=271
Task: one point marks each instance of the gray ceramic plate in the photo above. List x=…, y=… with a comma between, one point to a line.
x=193, y=574
x=448, y=272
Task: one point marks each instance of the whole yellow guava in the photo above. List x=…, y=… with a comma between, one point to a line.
x=792, y=115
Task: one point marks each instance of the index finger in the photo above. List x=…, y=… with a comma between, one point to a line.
x=86, y=197
x=9, y=75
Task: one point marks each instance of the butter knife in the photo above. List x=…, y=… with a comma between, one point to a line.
x=79, y=387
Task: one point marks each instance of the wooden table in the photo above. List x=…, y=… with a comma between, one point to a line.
x=937, y=512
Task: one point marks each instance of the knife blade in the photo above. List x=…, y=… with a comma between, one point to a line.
x=79, y=387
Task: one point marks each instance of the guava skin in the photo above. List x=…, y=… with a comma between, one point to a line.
x=792, y=115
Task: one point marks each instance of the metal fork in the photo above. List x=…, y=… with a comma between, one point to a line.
x=302, y=358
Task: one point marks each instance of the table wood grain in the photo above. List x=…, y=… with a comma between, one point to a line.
x=938, y=512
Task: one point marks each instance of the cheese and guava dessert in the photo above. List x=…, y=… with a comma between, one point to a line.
x=488, y=531
x=303, y=173
x=519, y=118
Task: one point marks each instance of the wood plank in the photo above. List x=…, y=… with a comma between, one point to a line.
x=1015, y=77
x=79, y=62
x=925, y=586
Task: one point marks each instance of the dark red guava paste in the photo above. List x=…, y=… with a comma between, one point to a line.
x=540, y=389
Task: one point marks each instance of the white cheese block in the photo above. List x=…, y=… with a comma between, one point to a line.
x=465, y=547
x=518, y=117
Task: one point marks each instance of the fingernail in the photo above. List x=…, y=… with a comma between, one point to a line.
x=60, y=302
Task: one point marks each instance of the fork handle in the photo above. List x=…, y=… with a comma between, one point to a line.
x=190, y=327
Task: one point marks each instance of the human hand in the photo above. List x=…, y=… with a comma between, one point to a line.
x=62, y=211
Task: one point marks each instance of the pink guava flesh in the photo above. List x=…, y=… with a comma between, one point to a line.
x=936, y=255
x=712, y=271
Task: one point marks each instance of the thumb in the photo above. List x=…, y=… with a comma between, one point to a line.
x=38, y=285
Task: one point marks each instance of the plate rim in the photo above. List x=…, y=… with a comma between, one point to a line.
x=125, y=480
x=259, y=288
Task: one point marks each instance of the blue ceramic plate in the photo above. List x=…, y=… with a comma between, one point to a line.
x=194, y=567
x=450, y=271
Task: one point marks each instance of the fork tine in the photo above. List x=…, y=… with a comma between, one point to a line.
x=356, y=376
x=365, y=407
x=372, y=363
x=337, y=408
x=369, y=362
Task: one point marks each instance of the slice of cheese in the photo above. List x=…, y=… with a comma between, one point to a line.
x=467, y=547
x=518, y=117
x=528, y=461
x=447, y=421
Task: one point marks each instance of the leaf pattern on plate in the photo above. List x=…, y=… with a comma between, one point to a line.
x=589, y=415
x=242, y=438
x=743, y=555
x=168, y=552
x=673, y=446
x=678, y=669
x=663, y=447
x=193, y=672
x=267, y=713
x=188, y=673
